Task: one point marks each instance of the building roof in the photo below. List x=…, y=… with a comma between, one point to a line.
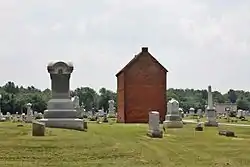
x=143, y=50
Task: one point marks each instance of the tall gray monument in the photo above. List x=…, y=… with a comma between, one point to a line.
x=60, y=112
x=210, y=110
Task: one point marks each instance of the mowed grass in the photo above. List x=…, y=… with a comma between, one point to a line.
x=222, y=120
x=121, y=145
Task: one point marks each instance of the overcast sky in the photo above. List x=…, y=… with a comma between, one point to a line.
x=200, y=42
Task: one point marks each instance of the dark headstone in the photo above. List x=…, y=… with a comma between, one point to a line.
x=93, y=119
x=105, y=118
x=198, y=128
x=38, y=129
x=85, y=125
x=227, y=133
x=105, y=121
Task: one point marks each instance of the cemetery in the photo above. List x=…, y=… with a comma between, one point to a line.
x=147, y=135
x=122, y=145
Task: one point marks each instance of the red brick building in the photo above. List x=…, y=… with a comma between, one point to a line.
x=141, y=87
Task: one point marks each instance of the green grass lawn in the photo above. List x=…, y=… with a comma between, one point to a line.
x=222, y=120
x=120, y=145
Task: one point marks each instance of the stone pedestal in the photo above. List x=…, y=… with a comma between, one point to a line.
x=211, y=118
x=61, y=112
x=154, y=125
x=173, y=119
x=66, y=123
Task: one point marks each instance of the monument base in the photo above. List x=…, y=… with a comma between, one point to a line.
x=211, y=124
x=173, y=124
x=155, y=134
x=60, y=113
x=65, y=123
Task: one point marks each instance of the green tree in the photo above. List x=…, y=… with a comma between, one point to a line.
x=242, y=104
x=232, y=96
x=105, y=96
x=88, y=97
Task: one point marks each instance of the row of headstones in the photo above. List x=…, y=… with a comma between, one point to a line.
x=173, y=119
x=155, y=131
x=22, y=118
x=82, y=112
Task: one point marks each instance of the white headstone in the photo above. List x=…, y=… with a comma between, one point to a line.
x=191, y=111
x=40, y=115
x=181, y=112
x=29, y=113
x=2, y=118
x=76, y=102
x=199, y=112
x=154, y=125
x=173, y=118
x=35, y=114
x=111, y=107
x=8, y=114
x=154, y=121
x=241, y=113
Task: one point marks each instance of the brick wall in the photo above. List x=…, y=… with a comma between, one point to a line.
x=145, y=89
x=120, y=98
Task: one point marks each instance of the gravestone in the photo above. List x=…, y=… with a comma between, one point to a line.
x=22, y=117
x=173, y=119
x=2, y=118
x=241, y=114
x=154, y=125
x=191, y=111
x=111, y=108
x=35, y=114
x=227, y=133
x=39, y=115
x=105, y=118
x=199, y=127
x=8, y=116
x=60, y=112
x=15, y=118
x=211, y=112
x=199, y=113
x=181, y=112
x=76, y=102
x=38, y=129
x=77, y=107
x=29, y=117
x=83, y=112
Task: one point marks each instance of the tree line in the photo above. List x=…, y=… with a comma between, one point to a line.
x=14, y=98
x=198, y=98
